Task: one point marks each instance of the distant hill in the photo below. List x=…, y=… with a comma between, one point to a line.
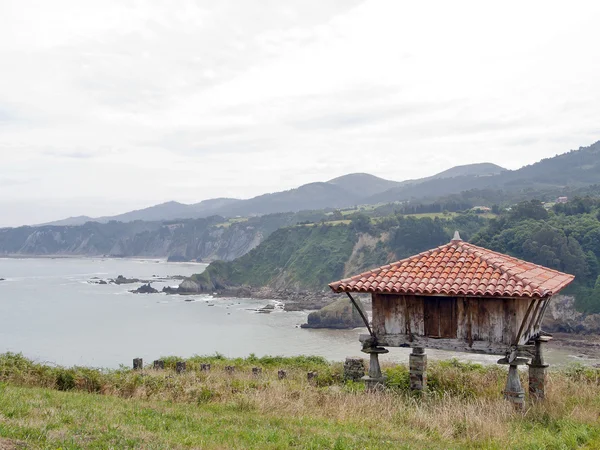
x=69, y=221
x=172, y=210
x=363, y=184
x=164, y=211
x=577, y=168
x=470, y=170
x=340, y=192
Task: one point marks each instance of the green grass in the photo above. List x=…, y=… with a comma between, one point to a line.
x=69, y=408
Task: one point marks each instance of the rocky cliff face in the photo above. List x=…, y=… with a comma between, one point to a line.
x=561, y=317
x=202, y=240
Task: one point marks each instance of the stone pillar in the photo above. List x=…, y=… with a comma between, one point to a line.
x=159, y=364
x=138, y=364
x=180, y=367
x=537, y=370
x=281, y=374
x=230, y=369
x=418, y=369
x=513, y=391
x=256, y=371
x=375, y=380
x=312, y=376
x=205, y=367
x=354, y=369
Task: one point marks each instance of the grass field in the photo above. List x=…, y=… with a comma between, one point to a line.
x=53, y=407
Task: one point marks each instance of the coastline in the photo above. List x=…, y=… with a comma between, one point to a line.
x=94, y=257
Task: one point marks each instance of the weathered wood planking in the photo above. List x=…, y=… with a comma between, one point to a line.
x=478, y=323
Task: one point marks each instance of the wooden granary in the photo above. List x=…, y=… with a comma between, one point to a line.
x=458, y=297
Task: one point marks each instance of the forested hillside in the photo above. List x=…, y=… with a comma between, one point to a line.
x=566, y=238
x=311, y=256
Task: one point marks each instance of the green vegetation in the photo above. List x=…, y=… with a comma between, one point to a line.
x=304, y=257
x=565, y=237
x=55, y=407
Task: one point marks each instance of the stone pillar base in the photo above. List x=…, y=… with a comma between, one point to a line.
x=374, y=381
x=513, y=392
x=374, y=384
x=537, y=370
x=537, y=382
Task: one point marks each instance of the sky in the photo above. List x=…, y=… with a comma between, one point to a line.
x=112, y=105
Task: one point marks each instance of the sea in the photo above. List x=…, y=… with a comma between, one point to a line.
x=54, y=311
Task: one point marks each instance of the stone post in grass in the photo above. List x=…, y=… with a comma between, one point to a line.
x=537, y=370
x=418, y=369
x=354, y=369
x=138, y=364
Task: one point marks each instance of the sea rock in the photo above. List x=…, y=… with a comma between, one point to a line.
x=267, y=309
x=145, y=289
x=339, y=315
x=189, y=287
x=122, y=280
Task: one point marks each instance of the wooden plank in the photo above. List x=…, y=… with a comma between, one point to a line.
x=432, y=317
x=525, y=319
x=408, y=329
x=483, y=320
x=417, y=321
x=457, y=345
x=447, y=318
x=469, y=337
x=510, y=322
x=378, y=319
x=473, y=312
x=495, y=320
x=461, y=318
x=537, y=309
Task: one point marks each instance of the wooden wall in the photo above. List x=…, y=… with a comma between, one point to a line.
x=464, y=319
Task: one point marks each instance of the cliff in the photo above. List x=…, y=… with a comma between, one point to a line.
x=213, y=238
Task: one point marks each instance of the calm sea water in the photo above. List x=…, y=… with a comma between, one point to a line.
x=50, y=312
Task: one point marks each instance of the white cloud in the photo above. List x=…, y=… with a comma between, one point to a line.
x=110, y=105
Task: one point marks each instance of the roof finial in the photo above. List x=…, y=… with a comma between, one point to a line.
x=456, y=237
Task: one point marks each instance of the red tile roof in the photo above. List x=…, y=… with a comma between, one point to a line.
x=457, y=269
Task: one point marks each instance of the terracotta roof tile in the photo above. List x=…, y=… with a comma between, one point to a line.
x=459, y=268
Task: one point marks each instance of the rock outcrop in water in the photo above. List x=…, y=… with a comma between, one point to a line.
x=145, y=289
x=124, y=280
x=340, y=314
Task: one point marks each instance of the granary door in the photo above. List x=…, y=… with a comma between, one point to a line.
x=440, y=317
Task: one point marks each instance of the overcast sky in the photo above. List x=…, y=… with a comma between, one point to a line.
x=107, y=106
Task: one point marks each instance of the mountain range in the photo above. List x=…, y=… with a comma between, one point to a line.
x=340, y=192
x=574, y=169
